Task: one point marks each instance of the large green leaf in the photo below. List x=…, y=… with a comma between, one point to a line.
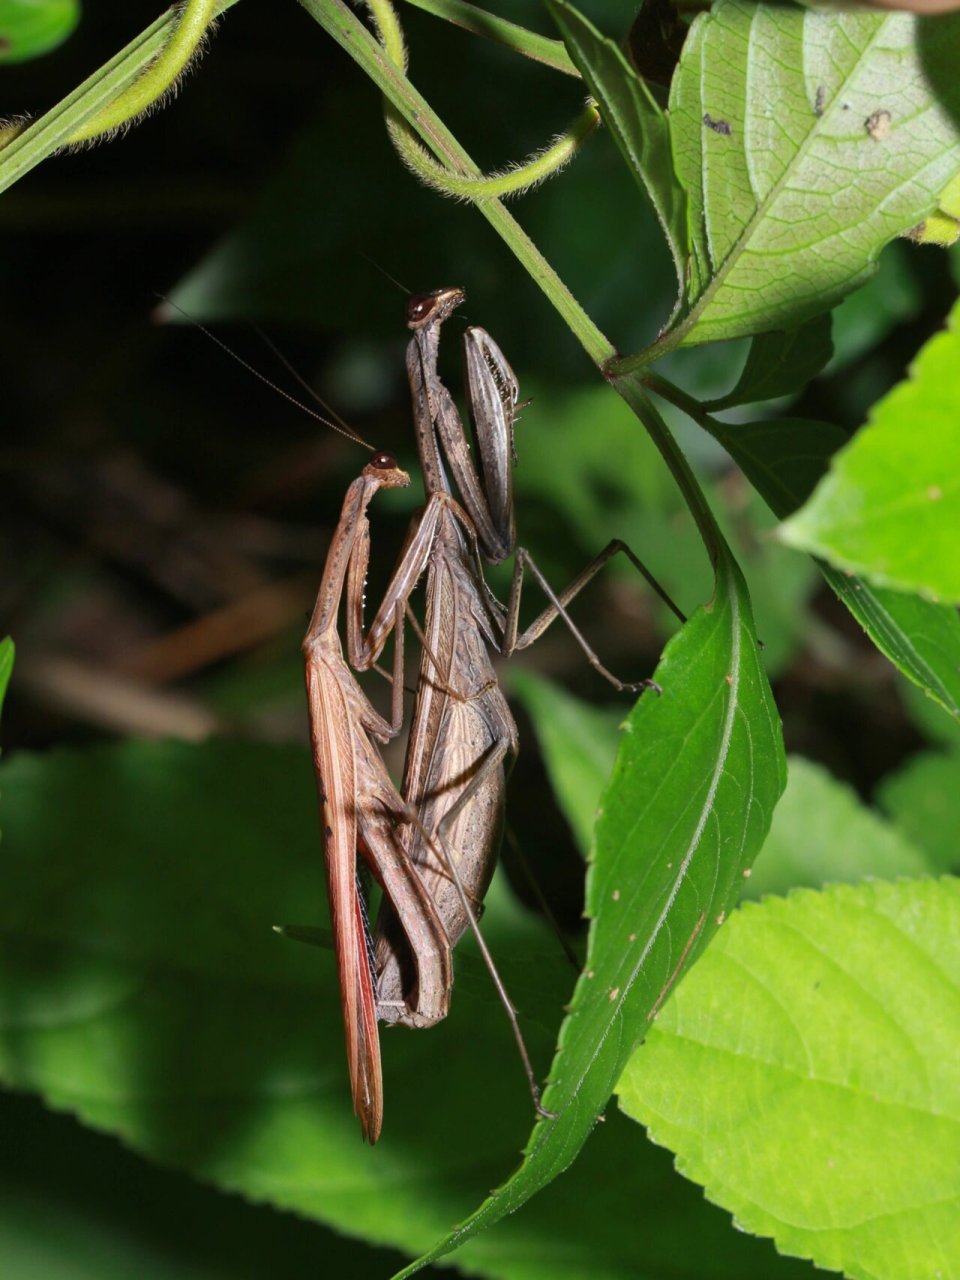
x=890, y=507
x=699, y=772
x=923, y=799
x=806, y=1076
x=76, y=1205
x=784, y=459
x=822, y=834
x=806, y=140
x=142, y=989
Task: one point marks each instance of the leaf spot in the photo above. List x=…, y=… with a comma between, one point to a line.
x=613, y=993
x=718, y=126
x=879, y=125
x=934, y=493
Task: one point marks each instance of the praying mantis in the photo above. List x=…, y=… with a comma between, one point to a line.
x=433, y=845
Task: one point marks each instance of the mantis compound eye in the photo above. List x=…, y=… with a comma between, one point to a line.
x=384, y=462
x=419, y=306
x=424, y=308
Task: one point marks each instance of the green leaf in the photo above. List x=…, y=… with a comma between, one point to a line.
x=579, y=746
x=806, y=140
x=784, y=459
x=142, y=989
x=920, y=638
x=890, y=507
x=923, y=799
x=6, y=666
x=780, y=364
x=822, y=834
x=75, y=1205
x=29, y=28
x=806, y=1076
x=699, y=772
x=636, y=121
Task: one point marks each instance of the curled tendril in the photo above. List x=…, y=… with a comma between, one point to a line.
x=511, y=180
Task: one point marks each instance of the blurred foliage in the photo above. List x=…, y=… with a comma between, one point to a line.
x=165, y=516
x=30, y=28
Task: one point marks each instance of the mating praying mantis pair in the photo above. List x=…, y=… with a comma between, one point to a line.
x=431, y=845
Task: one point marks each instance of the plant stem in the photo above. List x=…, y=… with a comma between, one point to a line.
x=350, y=33
x=341, y=23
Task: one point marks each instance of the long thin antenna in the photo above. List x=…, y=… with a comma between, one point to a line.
x=340, y=427
x=383, y=271
x=298, y=376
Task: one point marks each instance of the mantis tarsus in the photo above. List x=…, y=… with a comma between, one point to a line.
x=436, y=864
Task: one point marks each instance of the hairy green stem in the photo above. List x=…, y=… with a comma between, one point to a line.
x=343, y=25
x=512, y=180
x=62, y=124
x=631, y=387
x=193, y=21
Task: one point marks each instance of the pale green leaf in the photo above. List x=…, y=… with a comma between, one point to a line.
x=822, y=833
x=806, y=1075
x=892, y=296
x=806, y=140
x=890, y=506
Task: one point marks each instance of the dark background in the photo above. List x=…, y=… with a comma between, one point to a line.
x=164, y=517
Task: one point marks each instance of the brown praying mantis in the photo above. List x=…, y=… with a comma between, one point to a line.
x=359, y=804
x=433, y=848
